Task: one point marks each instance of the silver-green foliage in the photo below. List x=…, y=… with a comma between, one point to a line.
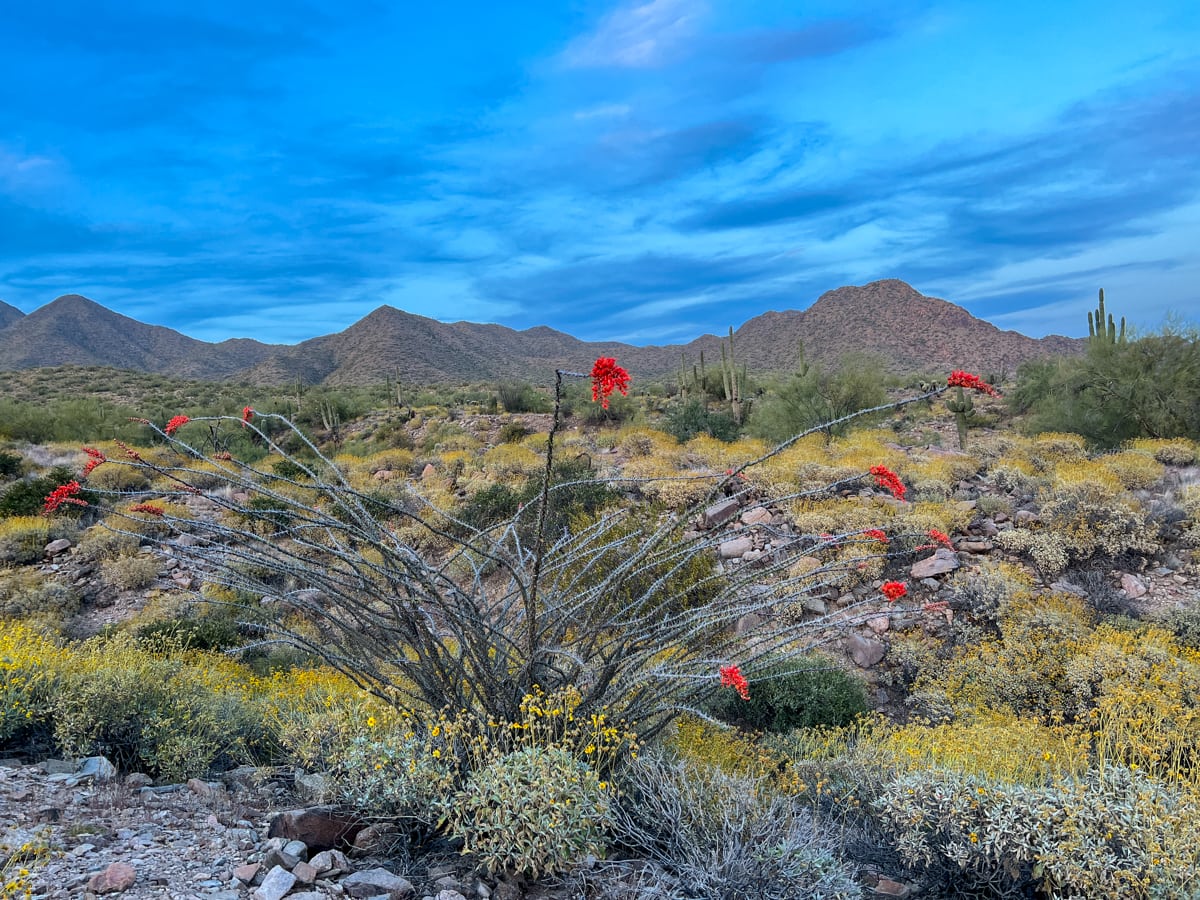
x=709, y=835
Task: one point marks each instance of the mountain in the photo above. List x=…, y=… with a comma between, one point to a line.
x=8, y=314
x=889, y=318
x=74, y=330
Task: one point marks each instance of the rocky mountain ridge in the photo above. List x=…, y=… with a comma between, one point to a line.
x=890, y=319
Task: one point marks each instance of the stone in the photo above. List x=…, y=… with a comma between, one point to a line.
x=116, y=878
x=373, y=882
x=975, y=546
x=428, y=472
x=330, y=862
x=276, y=885
x=735, y=548
x=57, y=548
x=97, y=768
x=136, y=780
x=864, y=651
x=942, y=562
x=751, y=621
x=1069, y=587
x=814, y=605
x=275, y=857
x=1024, y=517
x=321, y=828
x=1132, y=585
x=889, y=888
x=720, y=513
x=297, y=849
x=380, y=838
x=247, y=873
x=201, y=788
x=879, y=624
x=757, y=516
x=450, y=895
x=312, y=787
x=305, y=873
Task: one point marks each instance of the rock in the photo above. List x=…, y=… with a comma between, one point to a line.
x=749, y=622
x=428, y=472
x=879, y=624
x=330, y=862
x=247, y=873
x=1024, y=517
x=814, y=605
x=1132, y=585
x=116, y=878
x=757, y=516
x=1069, y=587
x=305, y=873
x=373, y=882
x=278, y=858
x=136, y=780
x=321, y=828
x=975, y=546
x=889, y=888
x=379, y=838
x=312, y=787
x=277, y=883
x=942, y=561
x=864, y=651
x=297, y=849
x=57, y=548
x=736, y=548
x=97, y=768
x=450, y=895
x=720, y=513
x=987, y=527
x=201, y=788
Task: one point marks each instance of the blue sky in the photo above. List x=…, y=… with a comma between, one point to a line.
x=643, y=171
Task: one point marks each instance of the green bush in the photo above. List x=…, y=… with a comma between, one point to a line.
x=130, y=573
x=537, y=811
x=1111, y=833
x=28, y=496
x=11, y=464
x=686, y=420
x=708, y=835
x=520, y=397
x=813, y=397
x=391, y=775
x=23, y=539
x=785, y=695
x=25, y=595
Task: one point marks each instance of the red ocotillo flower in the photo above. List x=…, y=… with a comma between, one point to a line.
x=607, y=377
x=893, y=590
x=732, y=677
x=96, y=459
x=959, y=378
x=65, y=493
x=175, y=424
x=889, y=481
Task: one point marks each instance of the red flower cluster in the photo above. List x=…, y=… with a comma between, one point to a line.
x=63, y=494
x=889, y=480
x=893, y=590
x=959, y=378
x=607, y=377
x=876, y=534
x=129, y=451
x=940, y=536
x=247, y=414
x=175, y=424
x=148, y=508
x=96, y=458
x=732, y=677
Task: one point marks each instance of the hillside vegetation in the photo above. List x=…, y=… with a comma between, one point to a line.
x=724, y=636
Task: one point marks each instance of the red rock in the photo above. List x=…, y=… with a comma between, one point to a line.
x=247, y=873
x=116, y=878
x=320, y=828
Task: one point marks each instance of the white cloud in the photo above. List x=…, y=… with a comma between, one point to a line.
x=605, y=111
x=639, y=36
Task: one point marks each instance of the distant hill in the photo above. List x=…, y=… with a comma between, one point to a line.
x=889, y=318
x=8, y=314
x=74, y=330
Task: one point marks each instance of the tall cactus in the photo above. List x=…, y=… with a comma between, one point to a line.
x=732, y=380
x=963, y=407
x=1101, y=331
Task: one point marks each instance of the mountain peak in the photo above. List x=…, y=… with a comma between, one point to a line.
x=9, y=314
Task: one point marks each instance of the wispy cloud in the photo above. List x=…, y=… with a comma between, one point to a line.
x=638, y=36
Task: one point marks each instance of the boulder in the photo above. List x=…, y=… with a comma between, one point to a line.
x=720, y=513
x=376, y=882
x=116, y=878
x=942, y=562
x=321, y=828
x=864, y=651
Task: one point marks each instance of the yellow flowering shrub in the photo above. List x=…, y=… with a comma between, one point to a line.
x=22, y=539
x=29, y=665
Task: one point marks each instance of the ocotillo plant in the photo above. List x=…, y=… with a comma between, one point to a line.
x=1100, y=331
x=615, y=607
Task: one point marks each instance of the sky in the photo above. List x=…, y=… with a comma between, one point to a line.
x=642, y=171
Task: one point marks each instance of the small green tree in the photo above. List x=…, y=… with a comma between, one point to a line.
x=813, y=396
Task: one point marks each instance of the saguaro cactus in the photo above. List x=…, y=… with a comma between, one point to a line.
x=733, y=380
x=1101, y=331
x=963, y=407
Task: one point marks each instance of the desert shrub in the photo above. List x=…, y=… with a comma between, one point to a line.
x=1184, y=623
x=1133, y=468
x=29, y=663
x=391, y=772
x=11, y=464
x=536, y=811
x=30, y=595
x=28, y=496
x=130, y=573
x=692, y=417
x=23, y=539
x=169, y=714
x=1113, y=832
x=520, y=397
x=118, y=478
x=813, y=397
x=101, y=543
x=1171, y=452
x=191, y=633
x=506, y=460
x=709, y=835
x=787, y=694
x=512, y=432
x=1047, y=549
